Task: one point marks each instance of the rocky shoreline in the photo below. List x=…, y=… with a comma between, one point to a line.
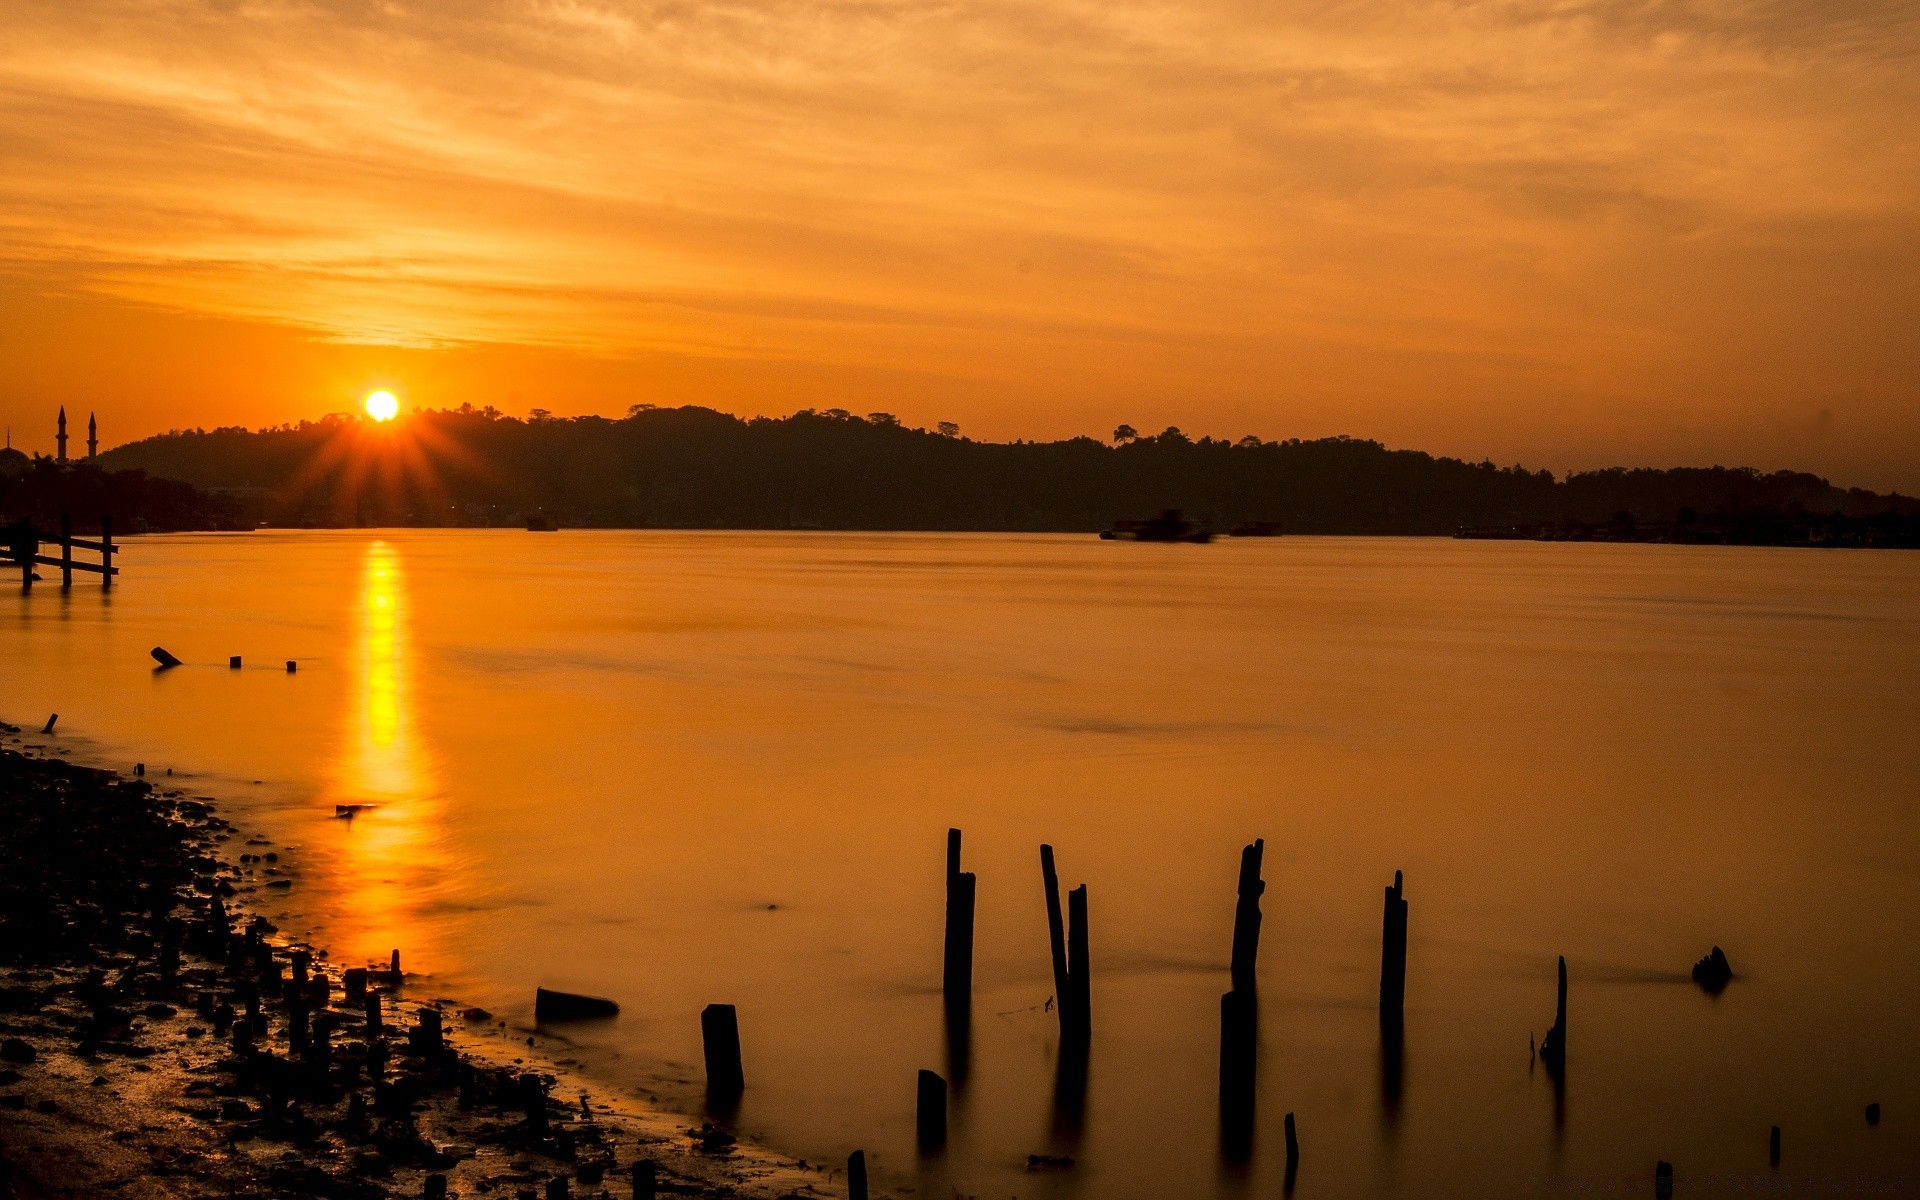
x=157, y=1040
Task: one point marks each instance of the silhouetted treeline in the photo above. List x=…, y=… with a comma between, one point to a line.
x=693, y=467
x=41, y=491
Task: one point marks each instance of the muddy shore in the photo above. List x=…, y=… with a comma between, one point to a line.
x=159, y=1040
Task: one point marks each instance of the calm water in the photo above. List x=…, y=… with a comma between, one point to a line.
x=677, y=768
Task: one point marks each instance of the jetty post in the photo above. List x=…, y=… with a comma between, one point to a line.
x=1079, y=967
x=1393, y=957
x=720, y=1041
x=66, y=552
x=1246, y=917
x=106, y=552
x=957, y=979
x=930, y=1112
x=1240, y=1013
x=857, y=1175
x=1056, y=932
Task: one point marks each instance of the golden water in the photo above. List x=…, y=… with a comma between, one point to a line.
x=678, y=768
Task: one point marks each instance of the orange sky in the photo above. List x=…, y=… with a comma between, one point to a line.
x=1568, y=232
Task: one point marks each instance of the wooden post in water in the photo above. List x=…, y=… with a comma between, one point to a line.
x=720, y=1040
x=1079, y=966
x=1393, y=957
x=1293, y=1153
x=1246, y=917
x=1056, y=933
x=857, y=1175
x=930, y=1112
x=1773, y=1146
x=66, y=552
x=1553, y=1047
x=957, y=980
x=106, y=551
x=645, y=1180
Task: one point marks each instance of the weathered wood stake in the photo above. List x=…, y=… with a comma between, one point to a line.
x=1553, y=1047
x=645, y=1180
x=1393, y=956
x=106, y=551
x=930, y=1111
x=1663, y=1180
x=1293, y=1151
x=1246, y=917
x=1079, y=965
x=857, y=1175
x=957, y=980
x=1773, y=1146
x=51, y=721
x=720, y=1038
x=66, y=553
x=1056, y=932
x=1239, y=1037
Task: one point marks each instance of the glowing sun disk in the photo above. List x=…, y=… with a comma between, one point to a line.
x=382, y=406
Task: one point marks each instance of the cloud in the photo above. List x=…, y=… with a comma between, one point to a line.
x=1608, y=197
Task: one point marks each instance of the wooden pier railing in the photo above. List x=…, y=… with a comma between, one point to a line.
x=23, y=544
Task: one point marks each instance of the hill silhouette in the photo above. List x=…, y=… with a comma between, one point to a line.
x=697, y=468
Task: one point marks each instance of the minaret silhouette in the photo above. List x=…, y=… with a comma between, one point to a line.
x=60, y=438
x=93, y=437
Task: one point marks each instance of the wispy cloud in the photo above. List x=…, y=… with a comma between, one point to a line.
x=1593, y=199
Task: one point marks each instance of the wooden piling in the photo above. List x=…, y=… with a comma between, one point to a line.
x=353, y=983
x=857, y=1175
x=720, y=1038
x=930, y=1112
x=1553, y=1047
x=1393, y=955
x=1079, y=965
x=106, y=551
x=1239, y=1037
x=233, y=663
x=1056, y=932
x=1293, y=1151
x=646, y=1179
x=51, y=722
x=957, y=978
x=1663, y=1180
x=66, y=552
x=1246, y=917
x=1773, y=1146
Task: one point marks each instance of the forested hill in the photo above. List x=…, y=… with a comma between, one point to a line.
x=693, y=467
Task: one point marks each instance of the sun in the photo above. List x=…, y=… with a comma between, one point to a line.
x=381, y=406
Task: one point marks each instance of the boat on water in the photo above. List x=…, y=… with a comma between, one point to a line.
x=1255, y=529
x=541, y=523
x=1169, y=526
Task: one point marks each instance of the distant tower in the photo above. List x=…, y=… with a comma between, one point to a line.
x=60, y=438
x=93, y=437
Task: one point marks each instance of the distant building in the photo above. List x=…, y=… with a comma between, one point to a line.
x=93, y=438
x=60, y=438
x=13, y=462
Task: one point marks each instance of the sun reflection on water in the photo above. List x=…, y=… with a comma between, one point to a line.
x=386, y=763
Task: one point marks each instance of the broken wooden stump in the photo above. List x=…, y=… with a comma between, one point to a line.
x=163, y=657
x=1246, y=917
x=646, y=1177
x=1773, y=1146
x=1713, y=972
x=1239, y=1043
x=1293, y=1153
x=550, y=1005
x=1663, y=1180
x=233, y=663
x=930, y=1112
x=857, y=1175
x=353, y=983
x=957, y=978
x=1553, y=1047
x=51, y=721
x=1056, y=932
x=720, y=1040
x=1393, y=956
x=1079, y=965
x=292, y=666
